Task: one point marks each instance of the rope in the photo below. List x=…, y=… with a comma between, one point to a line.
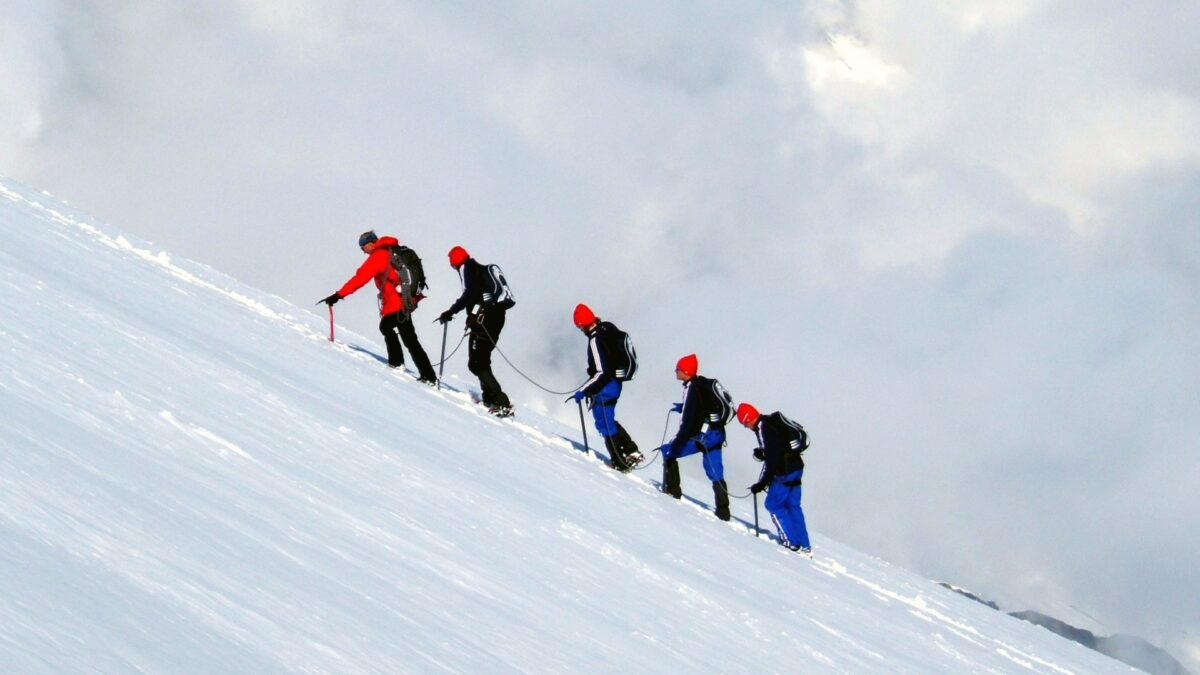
x=649, y=464
x=748, y=495
x=456, y=348
x=519, y=372
x=667, y=423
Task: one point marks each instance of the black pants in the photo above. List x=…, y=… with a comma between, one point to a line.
x=486, y=325
x=400, y=323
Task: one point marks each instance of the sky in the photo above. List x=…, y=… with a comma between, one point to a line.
x=959, y=242
x=180, y=497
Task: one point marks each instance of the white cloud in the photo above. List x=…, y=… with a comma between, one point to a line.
x=980, y=15
x=860, y=213
x=316, y=23
x=849, y=62
x=30, y=69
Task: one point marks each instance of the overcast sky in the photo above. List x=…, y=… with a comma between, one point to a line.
x=960, y=242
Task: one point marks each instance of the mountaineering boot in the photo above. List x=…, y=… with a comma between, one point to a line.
x=721, y=497
x=629, y=449
x=671, y=478
x=634, y=459
x=615, y=455
x=501, y=411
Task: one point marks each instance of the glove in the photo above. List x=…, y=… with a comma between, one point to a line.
x=445, y=317
x=665, y=449
x=758, y=487
x=331, y=300
x=579, y=396
x=760, y=455
x=677, y=407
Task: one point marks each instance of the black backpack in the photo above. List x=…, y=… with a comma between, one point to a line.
x=496, y=292
x=624, y=362
x=800, y=443
x=723, y=404
x=411, y=274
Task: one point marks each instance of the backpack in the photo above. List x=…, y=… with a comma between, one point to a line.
x=411, y=274
x=496, y=292
x=800, y=443
x=724, y=405
x=624, y=361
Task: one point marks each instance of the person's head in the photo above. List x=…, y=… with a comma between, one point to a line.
x=367, y=241
x=748, y=415
x=584, y=317
x=687, y=367
x=458, y=256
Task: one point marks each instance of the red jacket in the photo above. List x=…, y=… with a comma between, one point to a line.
x=378, y=266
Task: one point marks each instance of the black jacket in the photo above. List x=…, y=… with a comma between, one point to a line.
x=781, y=447
x=606, y=346
x=701, y=405
x=471, y=274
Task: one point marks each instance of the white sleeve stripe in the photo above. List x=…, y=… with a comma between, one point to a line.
x=596, y=359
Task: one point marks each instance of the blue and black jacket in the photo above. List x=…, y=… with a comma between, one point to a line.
x=781, y=446
x=606, y=347
x=701, y=406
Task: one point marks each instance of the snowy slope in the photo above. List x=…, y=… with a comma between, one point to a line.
x=196, y=480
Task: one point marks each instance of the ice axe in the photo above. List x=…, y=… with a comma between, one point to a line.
x=583, y=428
x=442, y=362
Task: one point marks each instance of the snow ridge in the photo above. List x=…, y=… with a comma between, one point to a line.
x=194, y=479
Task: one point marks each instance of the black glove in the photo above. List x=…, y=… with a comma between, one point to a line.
x=445, y=317
x=758, y=487
x=760, y=454
x=332, y=299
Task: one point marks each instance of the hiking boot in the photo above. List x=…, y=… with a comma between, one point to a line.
x=615, y=456
x=431, y=381
x=721, y=497
x=806, y=552
x=625, y=443
x=501, y=411
x=671, y=484
x=634, y=459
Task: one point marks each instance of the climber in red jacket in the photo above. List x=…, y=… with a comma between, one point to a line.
x=396, y=319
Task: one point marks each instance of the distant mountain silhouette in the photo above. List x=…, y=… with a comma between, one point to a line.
x=1128, y=649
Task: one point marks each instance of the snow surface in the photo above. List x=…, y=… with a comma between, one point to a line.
x=196, y=480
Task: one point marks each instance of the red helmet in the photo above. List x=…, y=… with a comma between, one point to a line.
x=688, y=365
x=747, y=414
x=458, y=256
x=584, y=316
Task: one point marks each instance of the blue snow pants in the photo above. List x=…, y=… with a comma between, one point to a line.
x=783, y=503
x=709, y=443
x=604, y=408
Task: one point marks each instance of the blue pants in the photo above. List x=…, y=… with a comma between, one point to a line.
x=709, y=443
x=783, y=503
x=604, y=408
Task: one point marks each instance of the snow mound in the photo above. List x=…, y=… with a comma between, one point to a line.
x=196, y=480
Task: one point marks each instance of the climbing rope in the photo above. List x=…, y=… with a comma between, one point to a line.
x=666, y=423
x=649, y=464
x=461, y=340
x=522, y=374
